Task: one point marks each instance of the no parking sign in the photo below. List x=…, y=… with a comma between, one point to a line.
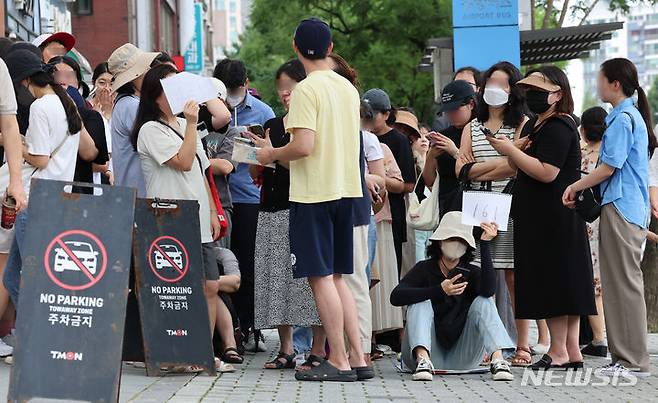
x=169, y=281
x=72, y=302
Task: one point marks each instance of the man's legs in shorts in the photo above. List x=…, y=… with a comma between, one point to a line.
x=330, y=308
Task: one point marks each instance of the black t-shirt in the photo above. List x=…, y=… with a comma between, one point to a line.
x=275, y=191
x=362, y=205
x=95, y=126
x=556, y=143
x=448, y=181
x=401, y=149
x=423, y=282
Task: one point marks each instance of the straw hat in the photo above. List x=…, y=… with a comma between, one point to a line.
x=408, y=119
x=451, y=227
x=127, y=63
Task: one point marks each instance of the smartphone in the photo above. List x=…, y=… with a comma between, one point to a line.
x=202, y=130
x=465, y=272
x=487, y=132
x=257, y=130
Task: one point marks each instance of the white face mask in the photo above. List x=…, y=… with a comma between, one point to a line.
x=235, y=100
x=453, y=250
x=495, y=96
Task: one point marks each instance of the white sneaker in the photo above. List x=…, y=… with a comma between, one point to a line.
x=424, y=371
x=9, y=360
x=5, y=349
x=500, y=371
x=617, y=369
x=10, y=338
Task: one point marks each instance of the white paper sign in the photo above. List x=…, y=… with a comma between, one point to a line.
x=186, y=86
x=479, y=207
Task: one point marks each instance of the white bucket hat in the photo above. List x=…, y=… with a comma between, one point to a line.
x=220, y=87
x=451, y=227
x=127, y=63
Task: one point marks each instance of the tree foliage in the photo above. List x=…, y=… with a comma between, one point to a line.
x=652, y=96
x=553, y=14
x=383, y=39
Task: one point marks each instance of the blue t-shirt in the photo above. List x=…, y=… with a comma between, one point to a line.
x=251, y=112
x=125, y=160
x=625, y=146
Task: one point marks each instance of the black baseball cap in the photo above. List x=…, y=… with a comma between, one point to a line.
x=455, y=94
x=312, y=38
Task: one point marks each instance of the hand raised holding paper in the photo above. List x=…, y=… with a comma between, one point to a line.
x=264, y=148
x=191, y=112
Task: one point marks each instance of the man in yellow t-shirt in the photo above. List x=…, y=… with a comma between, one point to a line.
x=325, y=181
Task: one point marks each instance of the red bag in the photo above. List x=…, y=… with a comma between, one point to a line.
x=221, y=215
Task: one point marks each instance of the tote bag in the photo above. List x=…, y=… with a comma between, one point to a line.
x=424, y=215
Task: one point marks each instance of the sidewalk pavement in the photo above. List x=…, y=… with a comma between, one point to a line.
x=251, y=383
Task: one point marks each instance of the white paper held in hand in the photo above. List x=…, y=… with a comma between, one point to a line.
x=186, y=86
x=479, y=207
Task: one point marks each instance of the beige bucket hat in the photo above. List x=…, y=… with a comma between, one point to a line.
x=127, y=63
x=451, y=227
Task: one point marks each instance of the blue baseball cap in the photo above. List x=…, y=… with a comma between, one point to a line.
x=312, y=38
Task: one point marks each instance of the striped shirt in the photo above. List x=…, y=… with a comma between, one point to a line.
x=502, y=247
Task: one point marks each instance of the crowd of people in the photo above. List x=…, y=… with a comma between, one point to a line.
x=316, y=243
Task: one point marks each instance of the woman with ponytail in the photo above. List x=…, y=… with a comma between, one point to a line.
x=51, y=145
x=623, y=175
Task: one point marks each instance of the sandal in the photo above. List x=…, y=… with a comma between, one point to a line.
x=277, y=363
x=223, y=367
x=376, y=353
x=326, y=372
x=522, y=360
x=486, y=360
x=232, y=356
x=311, y=362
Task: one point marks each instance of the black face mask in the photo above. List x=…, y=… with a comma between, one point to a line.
x=537, y=101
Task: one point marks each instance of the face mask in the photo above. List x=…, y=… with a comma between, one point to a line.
x=537, y=101
x=453, y=250
x=495, y=96
x=235, y=100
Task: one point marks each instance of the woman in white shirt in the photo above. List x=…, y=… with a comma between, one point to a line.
x=51, y=147
x=174, y=164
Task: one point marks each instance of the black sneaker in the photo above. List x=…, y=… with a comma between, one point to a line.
x=594, y=350
x=500, y=371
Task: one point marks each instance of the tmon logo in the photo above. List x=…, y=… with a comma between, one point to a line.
x=65, y=355
x=177, y=332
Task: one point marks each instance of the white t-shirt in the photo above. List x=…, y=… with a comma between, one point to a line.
x=372, y=147
x=47, y=131
x=373, y=151
x=156, y=145
x=653, y=170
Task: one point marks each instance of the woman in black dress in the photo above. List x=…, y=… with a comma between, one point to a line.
x=552, y=255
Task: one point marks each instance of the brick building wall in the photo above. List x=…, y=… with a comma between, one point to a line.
x=98, y=34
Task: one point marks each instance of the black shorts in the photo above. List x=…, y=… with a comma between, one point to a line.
x=210, y=267
x=321, y=238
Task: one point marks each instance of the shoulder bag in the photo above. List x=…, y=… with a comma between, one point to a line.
x=589, y=202
x=424, y=215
